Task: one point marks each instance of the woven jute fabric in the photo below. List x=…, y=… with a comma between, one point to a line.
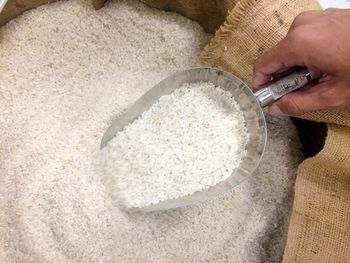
x=336, y=116
x=319, y=229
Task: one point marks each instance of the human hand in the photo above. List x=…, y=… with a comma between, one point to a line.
x=319, y=40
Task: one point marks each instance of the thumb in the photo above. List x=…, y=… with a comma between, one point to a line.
x=300, y=102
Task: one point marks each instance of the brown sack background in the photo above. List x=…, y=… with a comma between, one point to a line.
x=319, y=230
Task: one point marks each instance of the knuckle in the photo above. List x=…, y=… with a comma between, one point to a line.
x=295, y=35
x=330, y=10
x=303, y=16
x=290, y=106
x=338, y=100
x=294, y=40
x=335, y=97
x=303, y=36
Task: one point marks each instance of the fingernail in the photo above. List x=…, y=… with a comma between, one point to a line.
x=274, y=110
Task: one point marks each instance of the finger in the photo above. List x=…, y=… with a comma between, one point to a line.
x=283, y=73
x=277, y=109
x=307, y=100
x=283, y=56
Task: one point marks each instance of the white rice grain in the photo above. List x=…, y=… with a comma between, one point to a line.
x=188, y=141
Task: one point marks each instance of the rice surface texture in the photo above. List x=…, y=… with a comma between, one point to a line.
x=188, y=141
x=66, y=72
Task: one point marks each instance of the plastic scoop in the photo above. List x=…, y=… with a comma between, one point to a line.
x=250, y=103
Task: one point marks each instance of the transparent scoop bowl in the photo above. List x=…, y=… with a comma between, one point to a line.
x=254, y=118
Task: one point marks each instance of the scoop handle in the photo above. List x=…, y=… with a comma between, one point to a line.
x=274, y=90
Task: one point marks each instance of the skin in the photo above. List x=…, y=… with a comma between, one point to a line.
x=319, y=40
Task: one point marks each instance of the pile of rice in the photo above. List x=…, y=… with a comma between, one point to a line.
x=188, y=141
x=66, y=72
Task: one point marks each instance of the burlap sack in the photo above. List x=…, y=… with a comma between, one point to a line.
x=320, y=225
